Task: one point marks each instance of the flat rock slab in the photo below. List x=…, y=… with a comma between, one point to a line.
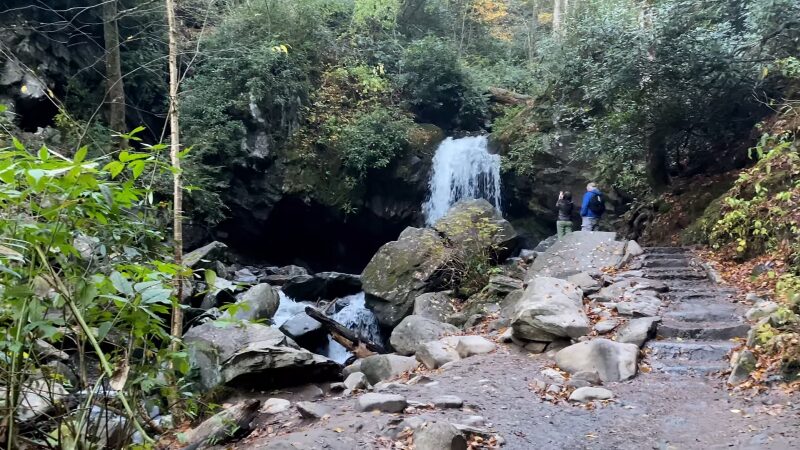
x=311, y=410
x=390, y=403
x=580, y=251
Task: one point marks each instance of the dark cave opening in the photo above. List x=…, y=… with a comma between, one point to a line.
x=34, y=113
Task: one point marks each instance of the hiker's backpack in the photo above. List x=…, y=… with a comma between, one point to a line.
x=596, y=205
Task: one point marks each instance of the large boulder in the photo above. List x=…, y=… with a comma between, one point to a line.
x=401, y=271
x=476, y=221
x=205, y=256
x=435, y=354
x=550, y=309
x=305, y=330
x=611, y=360
x=434, y=305
x=416, y=330
x=327, y=285
x=385, y=367
x=252, y=353
x=580, y=251
x=257, y=303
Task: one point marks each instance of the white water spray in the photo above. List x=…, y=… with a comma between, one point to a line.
x=462, y=168
x=358, y=318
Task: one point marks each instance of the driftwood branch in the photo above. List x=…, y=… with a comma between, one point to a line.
x=343, y=335
x=506, y=97
x=224, y=425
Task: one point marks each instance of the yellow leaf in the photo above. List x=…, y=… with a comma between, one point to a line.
x=24, y=89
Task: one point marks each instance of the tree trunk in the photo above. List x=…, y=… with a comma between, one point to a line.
x=557, y=17
x=177, y=192
x=116, y=93
x=657, y=161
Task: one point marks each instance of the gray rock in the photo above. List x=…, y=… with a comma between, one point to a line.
x=327, y=285
x=761, y=309
x=633, y=249
x=638, y=331
x=587, y=283
x=305, y=330
x=356, y=380
x=435, y=354
x=279, y=276
x=38, y=397
x=502, y=285
x=580, y=251
x=474, y=345
x=448, y=401
x=352, y=368
x=548, y=310
x=473, y=421
x=640, y=305
x=434, y=305
x=588, y=394
x=742, y=364
x=221, y=353
x=590, y=376
x=611, y=360
x=390, y=403
x=616, y=291
x=259, y=302
x=536, y=347
x=459, y=226
x=438, y=436
x=385, y=367
x=205, y=256
x=606, y=325
x=245, y=276
x=311, y=410
x=275, y=406
x=402, y=270
x=415, y=330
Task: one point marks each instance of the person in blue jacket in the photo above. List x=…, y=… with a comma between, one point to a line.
x=592, y=208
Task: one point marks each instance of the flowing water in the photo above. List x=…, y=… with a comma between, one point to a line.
x=354, y=316
x=462, y=168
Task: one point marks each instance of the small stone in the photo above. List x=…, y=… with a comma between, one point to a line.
x=588, y=394
x=553, y=374
x=507, y=335
x=761, y=309
x=448, y=401
x=742, y=364
x=474, y=345
x=554, y=389
x=311, y=410
x=355, y=381
x=638, y=331
x=438, y=436
x=389, y=403
x=275, y=406
x=605, y=326
x=474, y=421
x=337, y=387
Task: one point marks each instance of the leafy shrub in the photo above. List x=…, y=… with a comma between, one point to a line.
x=373, y=140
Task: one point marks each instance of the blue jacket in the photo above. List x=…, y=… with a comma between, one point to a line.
x=585, y=211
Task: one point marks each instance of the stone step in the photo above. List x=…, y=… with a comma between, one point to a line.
x=699, y=357
x=666, y=263
x=676, y=274
x=666, y=250
x=671, y=328
x=703, y=311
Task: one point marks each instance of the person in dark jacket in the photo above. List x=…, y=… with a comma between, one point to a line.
x=564, y=206
x=592, y=208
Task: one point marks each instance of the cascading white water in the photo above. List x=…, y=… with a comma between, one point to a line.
x=287, y=308
x=358, y=318
x=462, y=168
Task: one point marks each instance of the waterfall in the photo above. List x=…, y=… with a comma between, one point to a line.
x=358, y=318
x=462, y=168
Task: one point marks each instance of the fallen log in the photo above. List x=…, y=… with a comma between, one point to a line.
x=224, y=425
x=506, y=97
x=343, y=335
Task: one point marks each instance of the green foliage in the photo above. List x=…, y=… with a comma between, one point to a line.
x=81, y=253
x=438, y=89
x=373, y=140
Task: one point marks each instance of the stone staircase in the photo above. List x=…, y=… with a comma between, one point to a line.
x=699, y=318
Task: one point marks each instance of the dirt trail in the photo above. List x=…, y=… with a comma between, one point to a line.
x=679, y=401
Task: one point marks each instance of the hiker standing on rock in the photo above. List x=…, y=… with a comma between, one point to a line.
x=592, y=208
x=564, y=206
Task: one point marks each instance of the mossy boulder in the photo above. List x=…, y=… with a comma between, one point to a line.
x=477, y=222
x=401, y=271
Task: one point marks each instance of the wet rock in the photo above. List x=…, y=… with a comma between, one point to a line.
x=326, y=285
x=401, y=271
x=474, y=345
x=448, y=401
x=580, y=251
x=259, y=302
x=438, y=436
x=279, y=276
x=415, y=330
x=761, y=309
x=355, y=381
x=587, y=283
x=459, y=226
x=435, y=354
x=588, y=394
x=218, y=295
x=638, y=331
x=305, y=330
x=390, y=403
x=311, y=410
x=548, y=310
x=611, y=360
x=245, y=276
x=606, y=325
x=742, y=364
x=385, y=367
x=434, y=305
x=205, y=256
x=39, y=396
x=275, y=406
x=226, y=354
